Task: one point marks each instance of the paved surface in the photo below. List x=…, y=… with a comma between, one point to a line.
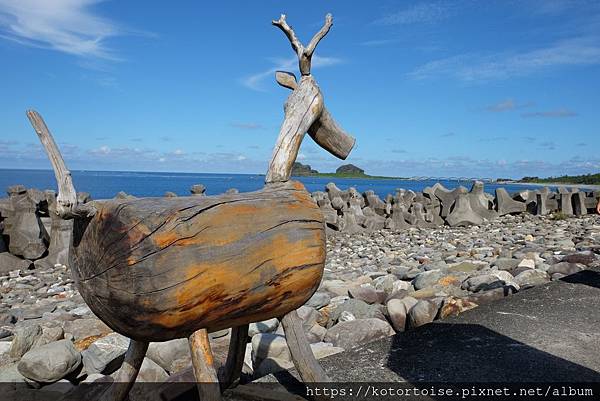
x=549, y=333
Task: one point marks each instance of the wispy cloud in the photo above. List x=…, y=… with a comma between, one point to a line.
x=419, y=13
x=504, y=105
x=482, y=68
x=448, y=134
x=255, y=81
x=250, y=126
x=559, y=113
x=69, y=26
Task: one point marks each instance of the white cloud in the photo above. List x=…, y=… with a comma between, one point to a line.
x=482, y=68
x=255, y=81
x=68, y=26
x=419, y=13
x=559, y=113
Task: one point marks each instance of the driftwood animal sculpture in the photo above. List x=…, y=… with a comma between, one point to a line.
x=155, y=269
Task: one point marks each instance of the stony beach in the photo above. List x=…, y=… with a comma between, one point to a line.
x=375, y=284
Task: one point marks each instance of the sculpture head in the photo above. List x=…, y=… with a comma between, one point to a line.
x=304, y=110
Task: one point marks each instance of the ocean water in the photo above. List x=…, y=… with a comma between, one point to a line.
x=106, y=184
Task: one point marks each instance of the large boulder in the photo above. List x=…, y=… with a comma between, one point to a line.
x=462, y=214
x=106, y=354
x=50, y=362
x=357, y=332
x=507, y=205
x=9, y=262
x=168, y=353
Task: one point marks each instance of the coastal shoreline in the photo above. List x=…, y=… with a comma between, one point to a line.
x=558, y=184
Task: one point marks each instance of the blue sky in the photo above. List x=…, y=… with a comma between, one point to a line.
x=462, y=88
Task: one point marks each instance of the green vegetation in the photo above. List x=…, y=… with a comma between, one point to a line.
x=345, y=171
x=586, y=179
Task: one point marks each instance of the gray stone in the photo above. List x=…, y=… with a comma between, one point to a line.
x=397, y=314
x=565, y=268
x=506, y=263
x=308, y=315
x=266, y=326
x=10, y=262
x=447, y=198
x=422, y=313
x=269, y=345
x=198, y=190
x=272, y=365
x=360, y=309
x=316, y=333
x=50, y=362
x=585, y=258
x=87, y=327
x=506, y=205
x=319, y=300
x=531, y=277
x=106, y=354
x=480, y=283
x=462, y=214
x=10, y=374
x=579, y=206
x=24, y=339
x=427, y=279
x=167, y=353
x=357, y=332
x=565, y=204
x=368, y=294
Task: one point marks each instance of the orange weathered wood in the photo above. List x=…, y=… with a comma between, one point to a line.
x=161, y=268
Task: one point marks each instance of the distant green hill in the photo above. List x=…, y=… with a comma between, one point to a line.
x=586, y=179
x=345, y=171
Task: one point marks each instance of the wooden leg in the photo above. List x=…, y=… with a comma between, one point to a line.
x=232, y=370
x=127, y=373
x=203, y=365
x=307, y=365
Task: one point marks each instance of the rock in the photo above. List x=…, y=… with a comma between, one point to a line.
x=308, y=315
x=10, y=262
x=506, y=205
x=454, y=306
x=4, y=349
x=531, y=277
x=584, y=258
x=397, y=313
x=359, y=309
x=464, y=267
x=368, y=294
x=482, y=282
x=198, y=190
x=462, y=214
x=62, y=386
x=266, y=326
x=166, y=353
x=506, y=263
x=427, y=279
x=318, y=300
x=269, y=345
x=316, y=333
x=10, y=374
x=272, y=365
x=346, y=316
x=322, y=350
x=49, y=335
x=337, y=287
x=422, y=313
x=170, y=194
x=83, y=328
x=50, y=362
x=527, y=263
x=565, y=268
x=106, y=354
x=357, y=332
x=24, y=339
x=151, y=372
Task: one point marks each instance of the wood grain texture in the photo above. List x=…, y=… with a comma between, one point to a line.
x=324, y=131
x=204, y=367
x=302, y=108
x=128, y=372
x=67, y=206
x=155, y=269
x=231, y=372
x=304, y=360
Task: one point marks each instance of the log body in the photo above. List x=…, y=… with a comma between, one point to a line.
x=155, y=269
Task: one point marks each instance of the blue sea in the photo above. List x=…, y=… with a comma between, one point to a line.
x=106, y=184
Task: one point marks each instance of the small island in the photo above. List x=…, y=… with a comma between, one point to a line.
x=585, y=179
x=344, y=171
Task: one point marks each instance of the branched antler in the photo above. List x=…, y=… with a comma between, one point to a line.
x=291, y=35
x=319, y=35
x=304, y=54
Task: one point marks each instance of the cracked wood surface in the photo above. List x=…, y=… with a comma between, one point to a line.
x=160, y=268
